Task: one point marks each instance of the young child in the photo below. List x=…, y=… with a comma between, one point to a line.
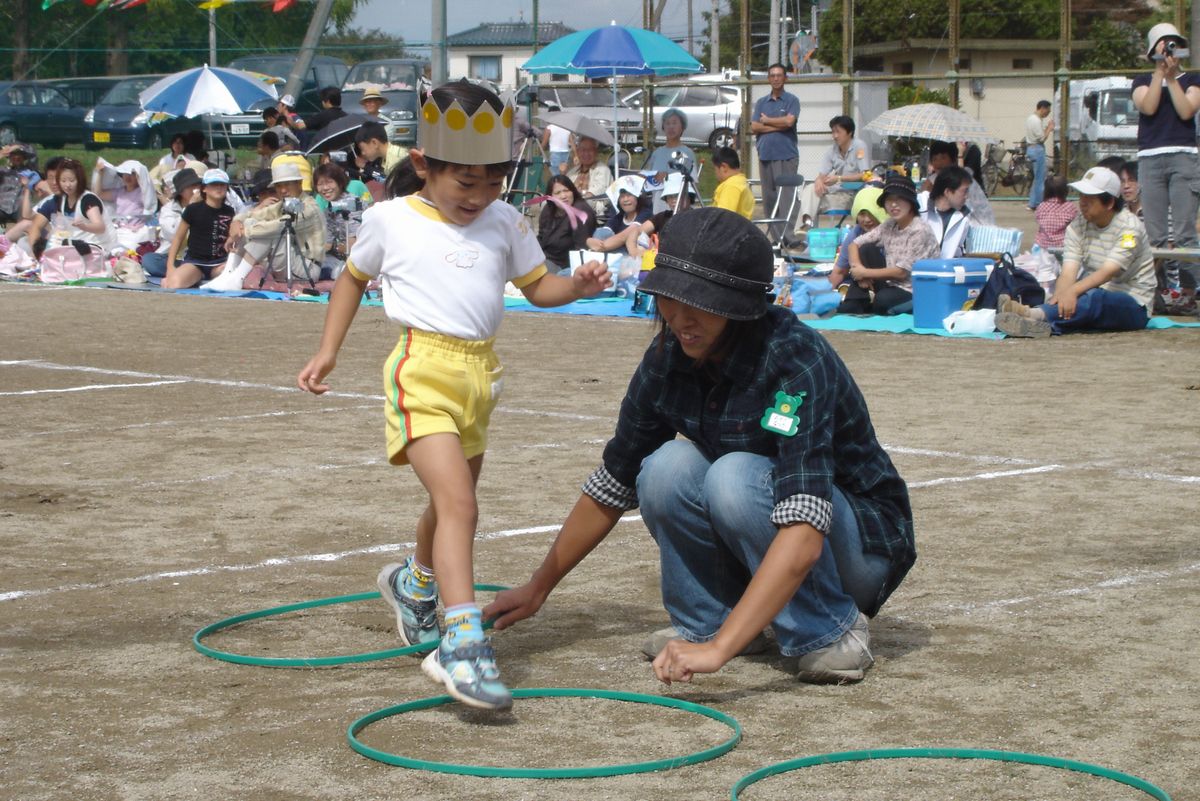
x=733, y=193
x=205, y=229
x=381, y=156
x=443, y=256
x=1054, y=214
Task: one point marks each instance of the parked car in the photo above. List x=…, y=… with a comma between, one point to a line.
x=118, y=120
x=398, y=79
x=714, y=112
x=324, y=71
x=35, y=112
x=83, y=92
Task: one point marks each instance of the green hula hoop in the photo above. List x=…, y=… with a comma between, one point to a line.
x=949, y=753
x=549, y=773
x=310, y=661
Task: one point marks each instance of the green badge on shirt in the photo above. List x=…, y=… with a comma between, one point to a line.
x=781, y=418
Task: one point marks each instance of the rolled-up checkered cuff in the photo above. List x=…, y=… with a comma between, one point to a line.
x=606, y=490
x=817, y=512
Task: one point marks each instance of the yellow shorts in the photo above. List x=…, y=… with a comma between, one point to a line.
x=437, y=384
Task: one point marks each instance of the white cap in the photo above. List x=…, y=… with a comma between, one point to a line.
x=1159, y=32
x=214, y=176
x=288, y=101
x=284, y=171
x=1098, y=181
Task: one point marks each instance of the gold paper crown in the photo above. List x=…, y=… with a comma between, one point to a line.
x=460, y=138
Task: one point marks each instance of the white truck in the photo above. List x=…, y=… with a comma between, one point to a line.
x=1103, y=119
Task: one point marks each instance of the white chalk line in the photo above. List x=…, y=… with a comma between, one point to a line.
x=89, y=387
x=281, y=561
x=934, y=482
x=44, y=365
x=956, y=455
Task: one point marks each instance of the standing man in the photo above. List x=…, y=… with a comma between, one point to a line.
x=1168, y=169
x=773, y=123
x=1038, y=128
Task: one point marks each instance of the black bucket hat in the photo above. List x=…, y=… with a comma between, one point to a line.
x=185, y=178
x=715, y=261
x=901, y=187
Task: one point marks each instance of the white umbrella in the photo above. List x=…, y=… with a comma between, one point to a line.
x=930, y=121
x=205, y=90
x=578, y=124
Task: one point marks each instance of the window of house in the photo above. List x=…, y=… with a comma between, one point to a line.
x=903, y=68
x=485, y=67
x=1022, y=64
x=964, y=64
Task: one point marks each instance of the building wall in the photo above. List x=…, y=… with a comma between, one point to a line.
x=511, y=59
x=1005, y=103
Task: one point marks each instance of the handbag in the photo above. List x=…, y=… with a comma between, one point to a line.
x=73, y=262
x=1008, y=279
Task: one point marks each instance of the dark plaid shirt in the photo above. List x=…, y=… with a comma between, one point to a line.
x=721, y=410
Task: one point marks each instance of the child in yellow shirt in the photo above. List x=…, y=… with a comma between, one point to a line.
x=733, y=193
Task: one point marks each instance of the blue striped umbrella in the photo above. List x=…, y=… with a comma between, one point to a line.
x=611, y=51
x=205, y=90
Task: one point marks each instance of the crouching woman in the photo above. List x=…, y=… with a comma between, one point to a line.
x=776, y=506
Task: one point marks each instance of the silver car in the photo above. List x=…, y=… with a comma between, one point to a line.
x=713, y=112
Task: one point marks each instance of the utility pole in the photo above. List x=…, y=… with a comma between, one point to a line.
x=847, y=55
x=316, y=26
x=714, y=48
x=438, y=66
x=744, y=134
x=1064, y=84
x=773, y=34
x=689, y=12
x=212, y=37
x=952, y=75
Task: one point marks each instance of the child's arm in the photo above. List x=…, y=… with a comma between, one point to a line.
x=176, y=243
x=343, y=304
x=587, y=281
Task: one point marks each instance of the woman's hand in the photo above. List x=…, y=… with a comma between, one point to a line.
x=513, y=605
x=858, y=272
x=681, y=659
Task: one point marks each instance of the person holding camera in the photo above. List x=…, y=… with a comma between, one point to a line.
x=343, y=216
x=261, y=235
x=1169, y=172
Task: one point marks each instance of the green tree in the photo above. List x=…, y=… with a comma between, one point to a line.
x=730, y=26
x=1115, y=46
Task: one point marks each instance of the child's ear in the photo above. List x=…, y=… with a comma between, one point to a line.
x=420, y=165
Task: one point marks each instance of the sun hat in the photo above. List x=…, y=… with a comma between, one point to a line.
x=1159, y=32
x=901, y=187
x=260, y=182
x=372, y=93
x=1098, y=181
x=630, y=182
x=867, y=199
x=215, y=176
x=716, y=261
x=184, y=178
x=284, y=171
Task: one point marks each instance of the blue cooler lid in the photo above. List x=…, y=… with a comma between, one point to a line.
x=961, y=269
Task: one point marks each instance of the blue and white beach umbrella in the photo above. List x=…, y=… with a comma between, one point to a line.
x=205, y=90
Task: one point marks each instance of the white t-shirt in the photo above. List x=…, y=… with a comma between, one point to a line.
x=560, y=139
x=441, y=277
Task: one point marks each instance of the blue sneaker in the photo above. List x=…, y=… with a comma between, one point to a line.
x=468, y=670
x=416, y=619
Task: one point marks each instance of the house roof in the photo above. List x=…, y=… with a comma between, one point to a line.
x=508, y=34
x=1013, y=45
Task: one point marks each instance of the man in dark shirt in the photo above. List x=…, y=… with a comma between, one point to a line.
x=331, y=109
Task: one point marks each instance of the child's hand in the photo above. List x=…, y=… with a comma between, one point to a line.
x=591, y=279
x=314, y=373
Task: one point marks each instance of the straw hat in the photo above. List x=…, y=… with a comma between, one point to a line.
x=373, y=93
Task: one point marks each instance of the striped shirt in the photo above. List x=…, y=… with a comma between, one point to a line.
x=1122, y=242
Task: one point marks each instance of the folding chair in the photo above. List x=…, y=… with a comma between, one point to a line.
x=781, y=219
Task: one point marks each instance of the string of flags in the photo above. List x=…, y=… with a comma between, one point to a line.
x=124, y=5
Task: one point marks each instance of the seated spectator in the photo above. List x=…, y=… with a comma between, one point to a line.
x=73, y=214
x=343, y=215
x=881, y=260
x=204, y=231
x=640, y=237
x=674, y=123
x=947, y=213
x=591, y=178
x=22, y=160
x=1107, y=281
x=196, y=146
x=868, y=214
x=1054, y=214
x=276, y=124
x=47, y=188
x=565, y=224
x=131, y=201
x=380, y=156
x=187, y=185
x=373, y=101
x=631, y=208
x=331, y=109
x=266, y=147
x=945, y=154
x=845, y=161
x=177, y=147
x=1131, y=190
x=259, y=233
x=733, y=192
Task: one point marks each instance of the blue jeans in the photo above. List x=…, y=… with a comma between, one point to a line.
x=1037, y=157
x=1099, y=310
x=1171, y=181
x=155, y=264
x=558, y=157
x=712, y=523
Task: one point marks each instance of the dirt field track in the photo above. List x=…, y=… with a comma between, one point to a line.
x=157, y=473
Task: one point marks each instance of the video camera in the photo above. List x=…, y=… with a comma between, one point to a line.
x=680, y=161
x=291, y=207
x=347, y=204
x=1174, y=49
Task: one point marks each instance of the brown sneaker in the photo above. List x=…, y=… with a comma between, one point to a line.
x=1005, y=304
x=1017, y=326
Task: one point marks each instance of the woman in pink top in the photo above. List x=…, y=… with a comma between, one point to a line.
x=1054, y=214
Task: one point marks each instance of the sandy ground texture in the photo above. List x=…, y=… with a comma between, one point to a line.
x=158, y=473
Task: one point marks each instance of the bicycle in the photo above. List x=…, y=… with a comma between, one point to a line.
x=1018, y=175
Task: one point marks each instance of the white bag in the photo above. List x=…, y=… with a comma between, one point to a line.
x=974, y=321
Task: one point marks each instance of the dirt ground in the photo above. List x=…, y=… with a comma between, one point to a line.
x=157, y=474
